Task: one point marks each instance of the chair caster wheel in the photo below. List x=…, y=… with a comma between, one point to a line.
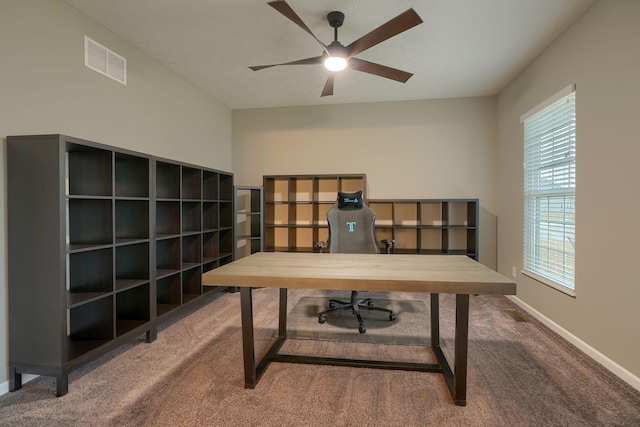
x=332, y=304
x=362, y=329
x=370, y=303
x=321, y=319
x=392, y=317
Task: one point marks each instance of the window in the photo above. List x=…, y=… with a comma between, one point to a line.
x=549, y=191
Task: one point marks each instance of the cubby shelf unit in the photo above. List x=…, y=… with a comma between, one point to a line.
x=296, y=206
x=429, y=226
x=249, y=223
x=104, y=244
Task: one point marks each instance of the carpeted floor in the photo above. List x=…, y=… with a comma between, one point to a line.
x=407, y=329
x=520, y=374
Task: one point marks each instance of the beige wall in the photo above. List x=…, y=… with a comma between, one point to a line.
x=600, y=54
x=45, y=88
x=408, y=150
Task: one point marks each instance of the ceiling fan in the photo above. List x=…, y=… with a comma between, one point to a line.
x=337, y=57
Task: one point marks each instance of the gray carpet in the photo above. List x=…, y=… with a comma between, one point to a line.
x=411, y=326
x=520, y=374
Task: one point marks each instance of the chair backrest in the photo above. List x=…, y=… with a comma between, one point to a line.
x=352, y=226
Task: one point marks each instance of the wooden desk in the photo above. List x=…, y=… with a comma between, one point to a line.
x=435, y=274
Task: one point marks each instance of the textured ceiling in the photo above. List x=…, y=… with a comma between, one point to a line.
x=464, y=48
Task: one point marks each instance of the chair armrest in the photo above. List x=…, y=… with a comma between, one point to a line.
x=388, y=243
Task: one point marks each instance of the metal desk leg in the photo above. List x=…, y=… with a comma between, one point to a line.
x=435, y=320
x=282, y=322
x=462, y=341
x=246, y=308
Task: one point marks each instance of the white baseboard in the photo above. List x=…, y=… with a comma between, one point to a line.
x=4, y=387
x=616, y=369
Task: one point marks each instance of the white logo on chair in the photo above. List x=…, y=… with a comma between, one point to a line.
x=352, y=226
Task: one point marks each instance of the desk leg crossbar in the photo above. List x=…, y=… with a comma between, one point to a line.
x=456, y=379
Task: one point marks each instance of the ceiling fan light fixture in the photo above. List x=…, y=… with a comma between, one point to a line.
x=335, y=63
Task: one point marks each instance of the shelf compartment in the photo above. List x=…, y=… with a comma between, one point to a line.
x=208, y=266
x=191, y=251
x=383, y=211
x=301, y=190
x=461, y=241
x=89, y=326
x=167, y=218
x=132, y=309
x=326, y=189
x=167, y=180
x=320, y=211
x=90, y=272
x=406, y=241
x=384, y=233
x=191, y=216
x=351, y=184
x=209, y=185
x=226, y=187
x=431, y=214
x=226, y=214
x=248, y=225
x=248, y=200
x=301, y=214
x=303, y=239
x=132, y=220
x=277, y=214
x=132, y=176
x=191, y=183
x=132, y=265
x=168, y=256
x=276, y=190
x=320, y=234
x=168, y=294
x=246, y=247
x=225, y=243
x=210, y=246
x=89, y=171
x=226, y=259
x=90, y=222
x=405, y=214
x=431, y=240
x=277, y=237
x=191, y=284
x=210, y=216
x=462, y=213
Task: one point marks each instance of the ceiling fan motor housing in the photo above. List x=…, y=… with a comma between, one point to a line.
x=335, y=19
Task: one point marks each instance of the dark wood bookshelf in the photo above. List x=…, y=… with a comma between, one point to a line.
x=108, y=244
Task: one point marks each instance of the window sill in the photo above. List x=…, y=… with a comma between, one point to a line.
x=548, y=282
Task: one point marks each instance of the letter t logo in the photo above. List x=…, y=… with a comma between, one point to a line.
x=351, y=225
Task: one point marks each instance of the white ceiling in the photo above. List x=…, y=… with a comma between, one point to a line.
x=464, y=48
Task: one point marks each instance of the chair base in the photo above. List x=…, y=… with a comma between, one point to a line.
x=354, y=305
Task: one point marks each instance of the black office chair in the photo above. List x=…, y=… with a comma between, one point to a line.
x=352, y=230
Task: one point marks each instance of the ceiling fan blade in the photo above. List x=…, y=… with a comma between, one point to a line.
x=284, y=8
x=395, y=26
x=379, y=70
x=306, y=61
x=328, y=87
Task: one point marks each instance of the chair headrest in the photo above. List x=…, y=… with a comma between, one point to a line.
x=350, y=201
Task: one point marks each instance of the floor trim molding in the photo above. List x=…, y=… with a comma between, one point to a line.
x=612, y=366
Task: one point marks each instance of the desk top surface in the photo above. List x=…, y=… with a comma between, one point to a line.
x=367, y=272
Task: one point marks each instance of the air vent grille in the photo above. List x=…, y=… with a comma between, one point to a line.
x=104, y=61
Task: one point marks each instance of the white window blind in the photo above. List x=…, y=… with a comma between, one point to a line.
x=549, y=191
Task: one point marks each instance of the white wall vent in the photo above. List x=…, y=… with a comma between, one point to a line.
x=104, y=61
